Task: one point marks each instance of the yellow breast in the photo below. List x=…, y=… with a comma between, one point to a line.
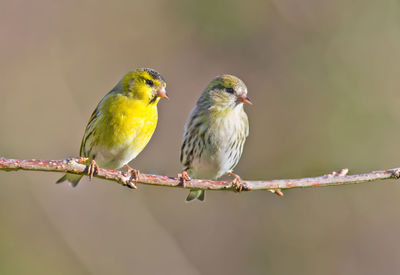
x=126, y=122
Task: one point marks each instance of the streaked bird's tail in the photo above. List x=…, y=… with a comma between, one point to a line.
x=196, y=194
x=72, y=178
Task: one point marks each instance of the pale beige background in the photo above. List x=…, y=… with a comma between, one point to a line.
x=324, y=79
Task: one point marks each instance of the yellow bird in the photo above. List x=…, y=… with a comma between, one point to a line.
x=122, y=123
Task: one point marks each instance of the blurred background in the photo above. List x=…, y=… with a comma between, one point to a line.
x=323, y=76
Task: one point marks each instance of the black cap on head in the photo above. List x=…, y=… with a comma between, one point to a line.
x=153, y=73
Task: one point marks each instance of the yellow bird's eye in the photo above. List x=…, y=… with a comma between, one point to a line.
x=150, y=82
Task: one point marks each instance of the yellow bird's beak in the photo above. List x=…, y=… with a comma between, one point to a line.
x=161, y=92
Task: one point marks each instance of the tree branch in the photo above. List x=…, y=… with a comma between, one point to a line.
x=76, y=166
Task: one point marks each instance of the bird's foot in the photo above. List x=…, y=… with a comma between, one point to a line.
x=134, y=176
x=80, y=160
x=343, y=172
x=277, y=191
x=93, y=169
x=396, y=173
x=237, y=183
x=183, y=177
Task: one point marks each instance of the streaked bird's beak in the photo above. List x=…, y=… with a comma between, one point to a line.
x=161, y=92
x=244, y=99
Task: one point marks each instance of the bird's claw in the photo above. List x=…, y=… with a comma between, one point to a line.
x=342, y=172
x=277, y=191
x=80, y=160
x=183, y=177
x=93, y=169
x=134, y=176
x=396, y=173
x=237, y=183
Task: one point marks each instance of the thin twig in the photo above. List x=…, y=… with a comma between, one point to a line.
x=75, y=166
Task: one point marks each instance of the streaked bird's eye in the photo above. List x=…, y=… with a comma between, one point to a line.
x=149, y=82
x=230, y=90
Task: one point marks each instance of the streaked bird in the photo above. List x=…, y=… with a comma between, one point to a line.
x=215, y=132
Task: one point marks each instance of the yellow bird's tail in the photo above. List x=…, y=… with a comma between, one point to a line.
x=72, y=178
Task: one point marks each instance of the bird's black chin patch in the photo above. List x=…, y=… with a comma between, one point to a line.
x=153, y=99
